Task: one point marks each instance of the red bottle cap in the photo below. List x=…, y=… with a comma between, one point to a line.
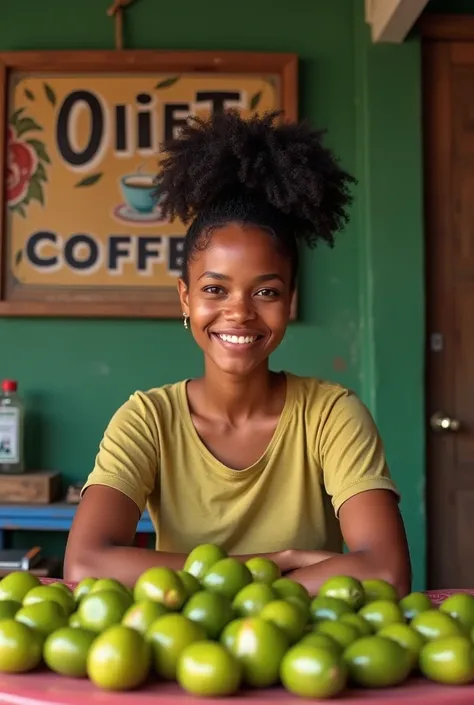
x=9, y=385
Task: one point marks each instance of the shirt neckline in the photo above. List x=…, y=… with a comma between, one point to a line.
x=220, y=467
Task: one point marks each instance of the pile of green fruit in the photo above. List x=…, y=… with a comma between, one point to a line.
x=221, y=625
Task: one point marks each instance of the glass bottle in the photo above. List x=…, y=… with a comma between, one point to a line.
x=11, y=429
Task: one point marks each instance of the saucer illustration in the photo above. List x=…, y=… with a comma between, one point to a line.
x=126, y=214
x=141, y=203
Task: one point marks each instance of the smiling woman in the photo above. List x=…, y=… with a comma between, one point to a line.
x=240, y=274
x=260, y=462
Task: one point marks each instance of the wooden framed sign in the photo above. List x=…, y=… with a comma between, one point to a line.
x=81, y=233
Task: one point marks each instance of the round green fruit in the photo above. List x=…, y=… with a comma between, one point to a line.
x=322, y=608
x=211, y=610
x=252, y=598
x=449, y=661
x=312, y=672
x=227, y=577
x=20, y=647
x=191, y=584
x=259, y=646
x=263, y=570
x=206, y=668
x=161, y=585
x=381, y=613
x=65, y=651
x=168, y=636
x=375, y=662
x=346, y=588
x=16, y=585
x=202, y=558
x=287, y=616
x=119, y=659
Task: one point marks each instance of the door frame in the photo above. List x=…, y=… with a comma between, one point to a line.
x=435, y=30
x=449, y=28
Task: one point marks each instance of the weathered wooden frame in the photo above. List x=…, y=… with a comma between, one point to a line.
x=120, y=304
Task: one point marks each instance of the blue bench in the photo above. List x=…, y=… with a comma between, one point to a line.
x=48, y=517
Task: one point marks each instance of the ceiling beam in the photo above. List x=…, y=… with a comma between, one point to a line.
x=391, y=20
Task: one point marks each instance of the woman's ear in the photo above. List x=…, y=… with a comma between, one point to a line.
x=183, y=296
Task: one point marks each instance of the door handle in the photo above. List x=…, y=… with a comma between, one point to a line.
x=441, y=422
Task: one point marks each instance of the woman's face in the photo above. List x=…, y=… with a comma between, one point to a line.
x=239, y=297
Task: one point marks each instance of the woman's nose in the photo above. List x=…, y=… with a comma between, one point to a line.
x=240, y=309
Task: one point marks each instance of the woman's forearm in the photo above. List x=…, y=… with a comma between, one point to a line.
x=310, y=568
x=126, y=564
x=360, y=565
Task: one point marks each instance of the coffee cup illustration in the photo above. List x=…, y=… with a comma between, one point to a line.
x=140, y=191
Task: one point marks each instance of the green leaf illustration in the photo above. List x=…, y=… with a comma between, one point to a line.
x=29, y=94
x=16, y=115
x=25, y=125
x=40, y=150
x=35, y=192
x=255, y=100
x=18, y=257
x=40, y=173
x=18, y=209
x=167, y=82
x=89, y=180
x=50, y=94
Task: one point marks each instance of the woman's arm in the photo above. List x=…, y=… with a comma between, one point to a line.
x=350, y=452
x=125, y=474
x=374, y=534
x=100, y=543
x=126, y=470
x=101, y=538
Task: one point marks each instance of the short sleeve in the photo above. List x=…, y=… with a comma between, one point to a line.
x=351, y=452
x=128, y=457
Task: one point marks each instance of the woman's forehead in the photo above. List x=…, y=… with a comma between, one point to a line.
x=240, y=248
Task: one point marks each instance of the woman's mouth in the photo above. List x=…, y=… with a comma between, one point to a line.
x=237, y=340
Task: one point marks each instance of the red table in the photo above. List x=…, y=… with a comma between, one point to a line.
x=48, y=689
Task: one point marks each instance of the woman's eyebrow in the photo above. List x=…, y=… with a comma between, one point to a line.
x=225, y=277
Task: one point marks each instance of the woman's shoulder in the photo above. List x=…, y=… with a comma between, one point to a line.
x=331, y=409
x=165, y=394
x=154, y=404
x=317, y=390
x=323, y=402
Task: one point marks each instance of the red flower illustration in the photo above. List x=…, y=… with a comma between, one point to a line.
x=22, y=163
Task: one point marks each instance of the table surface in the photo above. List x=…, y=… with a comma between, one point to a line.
x=45, y=688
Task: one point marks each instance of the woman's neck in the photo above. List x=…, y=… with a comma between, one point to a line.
x=237, y=399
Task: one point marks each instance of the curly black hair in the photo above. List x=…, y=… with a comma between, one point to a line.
x=261, y=171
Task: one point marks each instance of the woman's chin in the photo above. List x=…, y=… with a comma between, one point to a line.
x=237, y=367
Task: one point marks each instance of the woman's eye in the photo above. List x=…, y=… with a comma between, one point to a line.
x=268, y=292
x=212, y=290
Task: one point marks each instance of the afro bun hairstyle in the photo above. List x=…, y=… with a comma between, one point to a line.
x=264, y=171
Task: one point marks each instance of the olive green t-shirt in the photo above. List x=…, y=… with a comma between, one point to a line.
x=325, y=449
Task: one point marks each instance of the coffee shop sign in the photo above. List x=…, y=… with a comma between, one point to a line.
x=82, y=253
x=115, y=132
x=122, y=131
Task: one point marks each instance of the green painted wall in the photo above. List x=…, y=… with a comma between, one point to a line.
x=362, y=303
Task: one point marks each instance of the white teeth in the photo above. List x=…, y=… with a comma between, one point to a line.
x=238, y=339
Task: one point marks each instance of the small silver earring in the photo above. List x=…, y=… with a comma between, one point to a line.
x=185, y=321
